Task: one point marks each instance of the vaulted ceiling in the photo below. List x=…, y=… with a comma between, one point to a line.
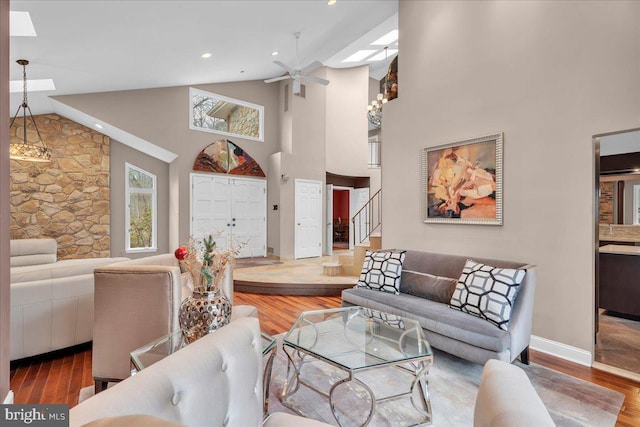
x=98, y=45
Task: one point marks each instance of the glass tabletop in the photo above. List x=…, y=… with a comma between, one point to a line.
x=154, y=351
x=358, y=337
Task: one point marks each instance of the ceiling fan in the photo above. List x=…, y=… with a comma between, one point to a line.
x=298, y=73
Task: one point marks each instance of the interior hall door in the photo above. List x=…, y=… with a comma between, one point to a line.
x=308, y=219
x=232, y=209
x=359, y=198
x=329, y=216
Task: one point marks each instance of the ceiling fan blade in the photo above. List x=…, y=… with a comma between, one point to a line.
x=277, y=79
x=286, y=67
x=315, y=79
x=296, y=86
x=311, y=67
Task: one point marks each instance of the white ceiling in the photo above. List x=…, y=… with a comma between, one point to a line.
x=95, y=46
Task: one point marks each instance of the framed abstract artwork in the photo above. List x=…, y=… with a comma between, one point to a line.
x=462, y=181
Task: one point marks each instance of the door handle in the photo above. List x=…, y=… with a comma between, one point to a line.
x=298, y=224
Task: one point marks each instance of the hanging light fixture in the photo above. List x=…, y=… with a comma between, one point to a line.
x=374, y=113
x=31, y=152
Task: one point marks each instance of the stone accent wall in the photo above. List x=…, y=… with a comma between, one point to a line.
x=67, y=199
x=606, y=202
x=244, y=121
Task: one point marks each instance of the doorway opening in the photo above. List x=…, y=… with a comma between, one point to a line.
x=617, y=252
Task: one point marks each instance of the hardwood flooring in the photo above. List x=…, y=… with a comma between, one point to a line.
x=618, y=342
x=58, y=379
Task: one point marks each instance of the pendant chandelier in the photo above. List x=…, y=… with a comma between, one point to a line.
x=30, y=152
x=374, y=113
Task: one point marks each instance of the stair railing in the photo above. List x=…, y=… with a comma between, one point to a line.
x=368, y=219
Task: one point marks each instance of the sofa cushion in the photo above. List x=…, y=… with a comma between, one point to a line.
x=487, y=292
x=425, y=285
x=381, y=271
x=433, y=316
x=64, y=268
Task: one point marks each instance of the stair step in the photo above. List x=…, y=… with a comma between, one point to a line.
x=346, y=260
x=331, y=269
x=375, y=242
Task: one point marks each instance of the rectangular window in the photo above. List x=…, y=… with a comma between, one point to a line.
x=140, y=212
x=374, y=152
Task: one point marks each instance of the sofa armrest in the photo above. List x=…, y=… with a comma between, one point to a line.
x=522, y=314
x=32, y=251
x=506, y=398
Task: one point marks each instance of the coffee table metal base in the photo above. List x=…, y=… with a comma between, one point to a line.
x=419, y=385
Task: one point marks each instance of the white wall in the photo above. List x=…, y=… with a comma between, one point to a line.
x=550, y=75
x=347, y=147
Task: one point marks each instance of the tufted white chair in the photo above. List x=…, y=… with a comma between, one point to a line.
x=216, y=381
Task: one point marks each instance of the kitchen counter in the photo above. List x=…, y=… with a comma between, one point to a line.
x=619, y=250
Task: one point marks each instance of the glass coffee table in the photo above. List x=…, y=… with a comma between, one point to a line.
x=354, y=340
x=154, y=351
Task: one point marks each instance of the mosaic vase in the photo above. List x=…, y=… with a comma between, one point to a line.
x=203, y=313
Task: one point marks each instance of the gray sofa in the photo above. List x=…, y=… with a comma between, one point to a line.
x=51, y=300
x=453, y=331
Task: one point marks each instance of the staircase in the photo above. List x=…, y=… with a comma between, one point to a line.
x=367, y=226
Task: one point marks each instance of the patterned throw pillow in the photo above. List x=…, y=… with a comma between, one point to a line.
x=381, y=271
x=487, y=292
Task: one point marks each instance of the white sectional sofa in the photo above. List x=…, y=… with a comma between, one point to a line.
x=51, y=300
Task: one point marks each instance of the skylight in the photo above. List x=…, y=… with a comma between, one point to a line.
x=382, y=55
x=359, y=55
x=32, y=85
x=20, y=24
x=388, y=38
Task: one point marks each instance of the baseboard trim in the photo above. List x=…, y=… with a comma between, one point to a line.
x=8, y=400
x=563, y=351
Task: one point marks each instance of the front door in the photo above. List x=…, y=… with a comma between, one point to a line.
x=248, y=216
x=308, y=219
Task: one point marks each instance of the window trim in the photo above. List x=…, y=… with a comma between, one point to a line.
x=154, y=209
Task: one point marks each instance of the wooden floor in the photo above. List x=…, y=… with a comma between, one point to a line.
x=618, y=342
x=59, y=379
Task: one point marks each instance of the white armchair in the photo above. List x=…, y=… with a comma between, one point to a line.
x=216, y=381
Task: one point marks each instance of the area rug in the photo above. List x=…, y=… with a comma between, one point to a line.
x=453, y=386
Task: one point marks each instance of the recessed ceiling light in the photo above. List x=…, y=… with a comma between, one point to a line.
x=32, y=85
x=390, y=37
x=359, y=55
x=99, y=126
x=274, y=53
x=382, y=55
x=205, y=55
x=20, y=24
x=331, y=2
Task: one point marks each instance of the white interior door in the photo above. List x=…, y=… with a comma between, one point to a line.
x=308, y=219
x=211, y=208
x=249, y=216
x=329, y=215
x=358, y=198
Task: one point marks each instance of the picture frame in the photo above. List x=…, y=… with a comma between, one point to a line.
x=462, y=181
x=214, y=113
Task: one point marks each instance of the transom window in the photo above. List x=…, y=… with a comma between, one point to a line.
x=141, y=222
